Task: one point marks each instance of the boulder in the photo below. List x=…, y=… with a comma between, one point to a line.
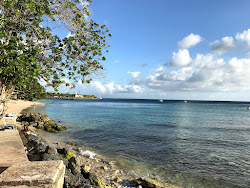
x=96, y=181
x=74, y=166
x=51, y=150
x=72, y=181
x=41, y=121
x=85, y=169
x=64, y=152
x=117, y=180
x=52, y=157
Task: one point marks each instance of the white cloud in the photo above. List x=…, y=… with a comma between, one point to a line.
x=134, y=74
x=244, y=37
x=107, y=90
x=207, y=74
x=181, y=58
x=99, y=87
x=226, y=44
x=189, y=41
x=161, y=68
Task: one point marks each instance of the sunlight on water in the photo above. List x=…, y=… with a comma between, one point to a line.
x=199, y=144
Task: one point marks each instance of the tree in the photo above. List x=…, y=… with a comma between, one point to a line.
x=30, y=50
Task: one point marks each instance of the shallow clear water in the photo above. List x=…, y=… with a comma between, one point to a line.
x=194, y=144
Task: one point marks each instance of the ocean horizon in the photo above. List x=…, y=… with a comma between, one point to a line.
x=191, y=144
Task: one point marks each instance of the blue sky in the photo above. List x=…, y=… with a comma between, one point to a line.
x=181, y=49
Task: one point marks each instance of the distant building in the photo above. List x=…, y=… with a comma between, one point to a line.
x=78, y=96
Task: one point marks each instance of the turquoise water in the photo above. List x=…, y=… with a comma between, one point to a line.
x=194, y=144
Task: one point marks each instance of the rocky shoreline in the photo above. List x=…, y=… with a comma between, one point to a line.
x=83, y=168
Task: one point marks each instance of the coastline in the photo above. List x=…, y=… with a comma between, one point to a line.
x=102, y=167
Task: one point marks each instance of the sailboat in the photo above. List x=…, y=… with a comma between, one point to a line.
x=185, y=101
x=100, y=97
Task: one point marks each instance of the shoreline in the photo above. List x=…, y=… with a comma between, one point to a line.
x=108, y=171
x=17, y=106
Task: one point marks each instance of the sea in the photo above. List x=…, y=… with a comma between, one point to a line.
x=198, y=144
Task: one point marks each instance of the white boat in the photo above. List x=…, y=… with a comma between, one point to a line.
x=161, y=100
x=185, y=101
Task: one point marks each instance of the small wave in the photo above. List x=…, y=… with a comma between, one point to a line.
x=88, y=154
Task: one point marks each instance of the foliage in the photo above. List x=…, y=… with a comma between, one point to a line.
x=67, y=95
x=32, y=91
x=30, y=50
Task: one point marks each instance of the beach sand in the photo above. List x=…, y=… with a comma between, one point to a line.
x=16, y=106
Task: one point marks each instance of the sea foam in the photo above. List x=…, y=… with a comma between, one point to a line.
x=88, y=154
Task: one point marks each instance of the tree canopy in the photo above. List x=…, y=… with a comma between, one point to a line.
x=32, y=48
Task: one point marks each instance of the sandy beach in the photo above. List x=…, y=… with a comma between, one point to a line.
x=16, y=106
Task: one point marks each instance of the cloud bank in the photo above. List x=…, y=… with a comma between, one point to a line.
x=194, y=73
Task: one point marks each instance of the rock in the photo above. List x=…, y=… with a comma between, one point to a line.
x=61, y=128
x=64, y=152
x=51, y=157
x=85, y=169
x=72, y=181
x=152, y=183
x=104, y=167
x=117, y=180
x=40, y=125
x=41, y=121
x=35, y=147
x=96, y=181
x=33, y=124
x=51, y=150
x=74, y=166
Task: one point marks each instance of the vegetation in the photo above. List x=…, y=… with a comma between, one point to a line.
x=31, y=51
x=65, y=95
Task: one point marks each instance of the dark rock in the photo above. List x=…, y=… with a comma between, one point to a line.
x=51, y=157
x=96, y=181
x=63, y=151
x=41, y=121
x=72, y=181
x=35, y=147
x=74, y=166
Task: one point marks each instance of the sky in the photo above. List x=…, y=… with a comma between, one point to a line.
x=181, y=49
